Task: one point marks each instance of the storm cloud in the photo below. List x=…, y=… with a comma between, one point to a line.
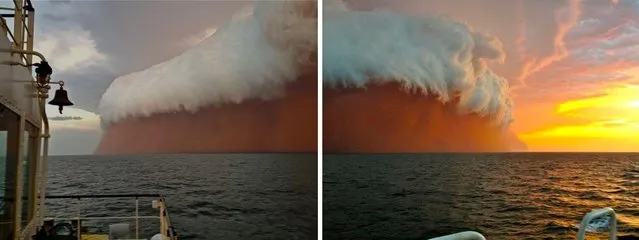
x=119, y=37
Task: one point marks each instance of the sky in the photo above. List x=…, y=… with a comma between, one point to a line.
x=572, y=65
x=90, y=43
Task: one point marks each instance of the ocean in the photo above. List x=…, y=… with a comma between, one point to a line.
x=209, y=196
x=503, y=196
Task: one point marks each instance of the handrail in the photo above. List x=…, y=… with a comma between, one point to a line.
x=101, y=218
x=21, y=51
x=23, y=13
x=166, y=228
x=135, y=195
x=468, y=235
x=594, y=214
x=170, y=231
x=45, y=135
x=5, y=27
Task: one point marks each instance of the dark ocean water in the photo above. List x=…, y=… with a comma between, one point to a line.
x=223, y=196
x=503, y=196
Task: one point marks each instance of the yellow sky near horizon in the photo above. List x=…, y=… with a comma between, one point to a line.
x=607, y=122
x=87, y=120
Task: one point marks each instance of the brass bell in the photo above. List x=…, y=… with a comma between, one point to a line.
x=61, y=99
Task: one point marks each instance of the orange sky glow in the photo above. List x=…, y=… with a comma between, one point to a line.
x=572, y=66
x=608, y=122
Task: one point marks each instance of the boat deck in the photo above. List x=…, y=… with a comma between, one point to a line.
x=95, y=237
x=80, y=225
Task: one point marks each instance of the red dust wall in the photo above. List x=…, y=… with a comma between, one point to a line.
x=386, y=119
x=286, y=124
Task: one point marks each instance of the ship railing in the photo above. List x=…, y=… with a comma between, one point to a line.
x=607, y=212
x=595, y=214
x=166, y=228
x=468, y=235
x=22, y=33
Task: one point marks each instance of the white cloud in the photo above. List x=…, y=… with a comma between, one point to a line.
x=70, y=49
x=199, y=37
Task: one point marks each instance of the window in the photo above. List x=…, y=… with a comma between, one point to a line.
x=9, y=127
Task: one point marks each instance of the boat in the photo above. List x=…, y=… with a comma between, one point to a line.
x=598, y=220
x=24, y=128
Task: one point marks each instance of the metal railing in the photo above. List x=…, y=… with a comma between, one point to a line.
x=468, y=235
x=594, y=214
x=166, y=229
x=581, y=234
x=23, y=15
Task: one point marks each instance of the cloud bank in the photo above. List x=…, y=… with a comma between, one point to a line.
x=251, y=57
x=396, y=82
x=432, y=55
x=250, y=87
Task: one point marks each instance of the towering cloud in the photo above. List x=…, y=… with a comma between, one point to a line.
x=398, y=83
x=250, y=87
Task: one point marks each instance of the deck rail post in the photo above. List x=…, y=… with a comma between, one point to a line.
x=79, y=218
x=137, y=219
